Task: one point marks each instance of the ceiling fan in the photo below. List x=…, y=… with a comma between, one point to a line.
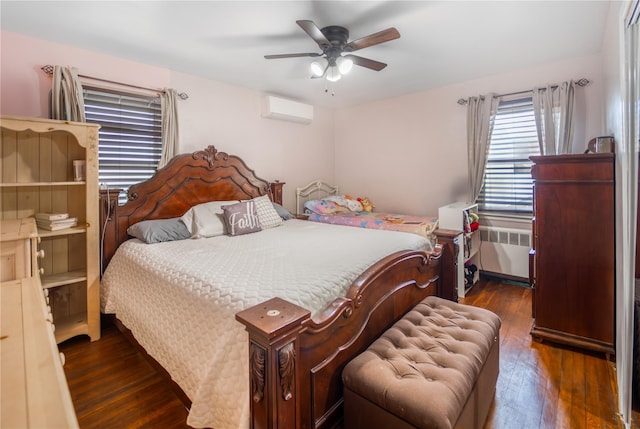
x=333, y=41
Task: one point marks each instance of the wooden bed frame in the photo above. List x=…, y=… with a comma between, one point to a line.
x=295, y=361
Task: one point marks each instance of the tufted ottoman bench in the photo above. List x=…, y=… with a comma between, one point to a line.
x=435, y=368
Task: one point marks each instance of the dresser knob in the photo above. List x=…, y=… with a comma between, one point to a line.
x=41, y=271
x=62, y=358
x=40, y=253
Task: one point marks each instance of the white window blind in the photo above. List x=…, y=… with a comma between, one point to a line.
x=130, y=136
x=508, y=186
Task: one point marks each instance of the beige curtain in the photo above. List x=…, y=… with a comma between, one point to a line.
x=170, y=134
x=481, y=112
x=553, y=108
x=67, y=102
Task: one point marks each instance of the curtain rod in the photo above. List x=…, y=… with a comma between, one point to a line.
x=48, y=69
x=580, y=82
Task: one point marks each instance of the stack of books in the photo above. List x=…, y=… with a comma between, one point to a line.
x=55, y=221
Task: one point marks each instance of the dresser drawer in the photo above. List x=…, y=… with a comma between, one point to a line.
x=17, y=248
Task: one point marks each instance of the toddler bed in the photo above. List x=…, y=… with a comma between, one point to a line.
x=321, y=202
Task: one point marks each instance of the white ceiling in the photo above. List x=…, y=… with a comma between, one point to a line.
x=442, y=42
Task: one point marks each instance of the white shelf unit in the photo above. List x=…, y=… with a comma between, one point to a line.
x=452, y=216
x=37, y=176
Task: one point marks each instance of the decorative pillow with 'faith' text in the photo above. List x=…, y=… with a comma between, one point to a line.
x=241, y=218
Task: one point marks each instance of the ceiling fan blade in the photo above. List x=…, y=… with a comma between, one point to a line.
x=372, y=39
x=309, y=54
x=314, y=32
x=366, y=62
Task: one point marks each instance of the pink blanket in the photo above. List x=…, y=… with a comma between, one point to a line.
x=421, y=225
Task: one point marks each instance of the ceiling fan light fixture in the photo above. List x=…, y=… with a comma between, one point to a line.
x=333, y=74
x=318, y=67
x=344, y=64
x=333, y=41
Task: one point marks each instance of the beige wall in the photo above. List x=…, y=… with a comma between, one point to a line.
x=408, y=154
x=229, y=117
x=218, y=114
x=414, y=143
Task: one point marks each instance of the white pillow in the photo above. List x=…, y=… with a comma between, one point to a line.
x=205, y=220
x=269, y=217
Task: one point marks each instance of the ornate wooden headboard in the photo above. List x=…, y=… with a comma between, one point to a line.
x=187, y=180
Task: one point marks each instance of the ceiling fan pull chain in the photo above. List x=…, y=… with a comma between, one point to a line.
x=326, y=88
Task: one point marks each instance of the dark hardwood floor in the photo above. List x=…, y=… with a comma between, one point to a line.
x=113, y=386
x=540, y=385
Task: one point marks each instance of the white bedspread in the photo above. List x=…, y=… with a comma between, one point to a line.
x=179, y=299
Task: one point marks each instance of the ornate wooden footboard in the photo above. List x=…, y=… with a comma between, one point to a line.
x=295, y=361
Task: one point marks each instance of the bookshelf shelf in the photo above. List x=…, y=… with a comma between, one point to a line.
x=44, y=233
x=452, y=216
x=60, y=279
x=70, y=326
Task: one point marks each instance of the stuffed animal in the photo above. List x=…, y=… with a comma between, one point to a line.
x=473, y=219
x=366, y=204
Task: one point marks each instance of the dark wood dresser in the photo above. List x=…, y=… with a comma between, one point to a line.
x=572, y=267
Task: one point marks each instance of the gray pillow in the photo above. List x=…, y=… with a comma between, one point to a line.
x=284, y=213
x=157, y=231
x=241, y=218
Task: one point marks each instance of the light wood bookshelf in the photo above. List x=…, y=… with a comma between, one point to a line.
x=37, y=176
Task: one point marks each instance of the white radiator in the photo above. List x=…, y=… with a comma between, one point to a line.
x=504, y=251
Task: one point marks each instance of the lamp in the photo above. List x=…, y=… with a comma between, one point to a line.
x=344, y=64
x=333, y=74
x=318, y=67
x=332, y=68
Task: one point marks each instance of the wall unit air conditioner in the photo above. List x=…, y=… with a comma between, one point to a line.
x=287, y=110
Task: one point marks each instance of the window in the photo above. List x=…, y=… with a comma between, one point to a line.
x=508, y=186
x=130, y=136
